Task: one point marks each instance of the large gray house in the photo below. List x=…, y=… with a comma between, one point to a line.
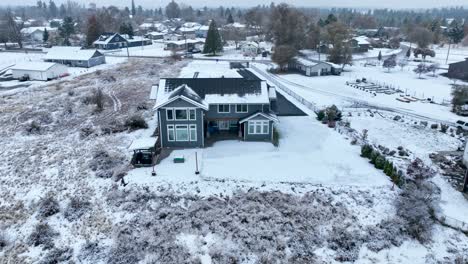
x=192, y=111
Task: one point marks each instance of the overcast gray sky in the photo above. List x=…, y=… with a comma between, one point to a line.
x=396, y=4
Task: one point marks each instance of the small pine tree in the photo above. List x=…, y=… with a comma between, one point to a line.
x=408, y=53
x=380, y=56
x=379, y=162
x=230, y=20
x=213, y=41
x=373, y=157
x=45, y=35
x=386, y=167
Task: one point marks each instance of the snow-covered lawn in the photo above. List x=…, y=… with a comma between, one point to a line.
x=11, y=58
x=154, y=50
x=309, y=152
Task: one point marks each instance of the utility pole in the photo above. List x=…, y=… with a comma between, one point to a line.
x=448, y=52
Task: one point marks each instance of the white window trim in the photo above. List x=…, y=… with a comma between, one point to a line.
x=241, y=112
x=192, y=127
x=254, y=123
x=171, y=127
x=167, y=114
x=187, y=109
x=188, y=135
x=195, y=113
x=186, y=114
x=229, y=109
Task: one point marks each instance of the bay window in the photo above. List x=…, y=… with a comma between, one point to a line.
x=259, y=127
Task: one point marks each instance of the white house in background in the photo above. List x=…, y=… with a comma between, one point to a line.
x=156, y=26
x=75, y=56
x=310, y=67
x=249, y=48
x=38, y=71
x=36, y=33
x=173, y=37
x=154, y=35
x=202, y=31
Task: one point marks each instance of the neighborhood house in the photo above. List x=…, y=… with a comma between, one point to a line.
x=38, y=71
x=458, y=70
x=75, y=56
x=310, y=67
x=108, y=41
x=192, y=111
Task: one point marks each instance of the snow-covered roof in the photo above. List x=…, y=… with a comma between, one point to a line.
x=191, y=25
x=183, y=92
x=362, y=40
x=272, y=92
x=69, y=53
x=30, y=30
x=203, y=28
x=236, y=25
x=154, y=92
x=188, y=41
x=33, y=66
x=240, y=90
x=249, y=43
x=143, y=143
x=104, y=39
x=269, y=116
x=154, y=33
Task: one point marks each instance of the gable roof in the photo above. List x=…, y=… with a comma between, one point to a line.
x=70, y=53
x=34, y=66
x=245, y=89
x=185, y=93
x=269, y=116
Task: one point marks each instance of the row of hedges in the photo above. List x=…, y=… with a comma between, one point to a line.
x=381, y=163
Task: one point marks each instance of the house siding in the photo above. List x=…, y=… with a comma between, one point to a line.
x=163, y=122
x=252, y=108
x=458, y=70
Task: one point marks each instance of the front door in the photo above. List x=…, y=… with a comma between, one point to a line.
x=223, y=124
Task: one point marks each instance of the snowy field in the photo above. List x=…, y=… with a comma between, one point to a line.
x=154, y=50
x=327, y=90
x=420, y=141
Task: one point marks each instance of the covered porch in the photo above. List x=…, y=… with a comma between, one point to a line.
x=222, y=129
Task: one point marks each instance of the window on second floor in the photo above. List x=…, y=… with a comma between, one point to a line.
x=242, y=108
x=223, y=108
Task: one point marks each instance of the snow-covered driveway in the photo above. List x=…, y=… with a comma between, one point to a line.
x=309, y=152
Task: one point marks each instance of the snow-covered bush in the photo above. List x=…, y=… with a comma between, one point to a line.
x=417, y=170
x=48, y=206
x=136, y=122
x=3, y=241
x=42, y=235
x=415, y=206
x=58, y=255
x=346, y=243
x=384, y=235
x=104, y=163
x=33, y=127
x=77, y=206
x=92, y=252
